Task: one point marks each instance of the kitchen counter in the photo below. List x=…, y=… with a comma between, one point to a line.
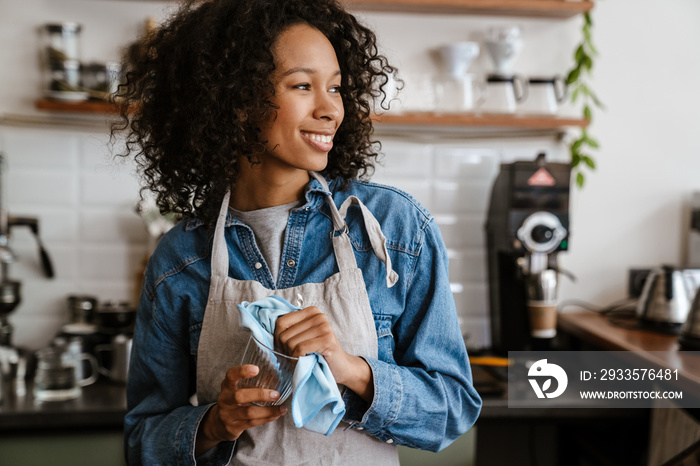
x=674, y=432
x=101, y=405
x=660, y=349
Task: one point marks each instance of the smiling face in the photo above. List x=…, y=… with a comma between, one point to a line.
x=307, y=92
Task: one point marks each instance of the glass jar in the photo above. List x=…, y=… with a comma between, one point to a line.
x=64, y=81
x=60, y=42
x=101, y=79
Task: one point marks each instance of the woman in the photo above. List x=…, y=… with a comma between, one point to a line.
x=254, y=124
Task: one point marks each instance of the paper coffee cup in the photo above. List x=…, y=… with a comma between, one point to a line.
x=543, y=319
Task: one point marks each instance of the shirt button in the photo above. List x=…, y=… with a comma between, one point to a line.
x=390, y=441
x=258, y=266
x=291, y=263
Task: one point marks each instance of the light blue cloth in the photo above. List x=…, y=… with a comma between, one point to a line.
x=317, y=404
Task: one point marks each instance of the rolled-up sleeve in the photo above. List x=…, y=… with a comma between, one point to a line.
x=161, y=424
x=425, y=399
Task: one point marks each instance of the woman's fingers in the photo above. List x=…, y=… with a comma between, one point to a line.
x=292, y=318
x=312, y=341
x=244, y=396
x=234, y=419
x=249, y=413
x=231, y=393
x=309, y=323
x=234, y=411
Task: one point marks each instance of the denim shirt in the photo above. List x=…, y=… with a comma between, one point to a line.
x=423, y=392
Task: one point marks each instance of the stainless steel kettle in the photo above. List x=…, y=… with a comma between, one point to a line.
x=666, y=298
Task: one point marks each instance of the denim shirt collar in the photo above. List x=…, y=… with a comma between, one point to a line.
x=315, y=197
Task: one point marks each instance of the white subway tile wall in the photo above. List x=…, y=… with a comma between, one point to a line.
x=85, y=202
x=85, y=205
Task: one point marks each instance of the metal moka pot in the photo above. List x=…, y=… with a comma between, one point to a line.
x=690, y=330
x=665, y=300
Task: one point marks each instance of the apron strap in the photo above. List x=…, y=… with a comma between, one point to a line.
x=338, y=221
x=345, y=255
x=219, y=252
x=376, y=237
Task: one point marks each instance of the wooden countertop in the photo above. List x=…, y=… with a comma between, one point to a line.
x=658, y=348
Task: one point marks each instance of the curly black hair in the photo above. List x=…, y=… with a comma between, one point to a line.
x=191, y=105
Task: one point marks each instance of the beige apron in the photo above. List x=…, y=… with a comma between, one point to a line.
x=343, y=298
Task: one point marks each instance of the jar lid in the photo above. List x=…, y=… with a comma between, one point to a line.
x=63, y=27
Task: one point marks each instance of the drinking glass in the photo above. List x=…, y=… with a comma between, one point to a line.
x=276, y=370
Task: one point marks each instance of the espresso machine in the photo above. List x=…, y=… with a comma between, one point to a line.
x=527, y=226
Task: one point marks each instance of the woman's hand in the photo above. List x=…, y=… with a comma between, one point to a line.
x=309, y=331
x=233, y=412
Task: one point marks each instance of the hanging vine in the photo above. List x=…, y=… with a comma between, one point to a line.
x=578, y=82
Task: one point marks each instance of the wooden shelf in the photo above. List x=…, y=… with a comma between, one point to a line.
x=480, y=120
x=415, y=119
x=531, y=8
x=87, y=106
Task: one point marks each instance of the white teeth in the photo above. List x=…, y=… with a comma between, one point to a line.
x=320, y=137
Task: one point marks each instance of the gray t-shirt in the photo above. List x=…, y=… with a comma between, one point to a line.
x=268, y=225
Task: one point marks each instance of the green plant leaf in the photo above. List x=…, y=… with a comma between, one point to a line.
x=583, y=63
x=574, y=94
x=575, y=160
x=591, y=47
x=595, y=99
x=593, y=143
x=588, y=161
x=573, y=75
x=587, y=35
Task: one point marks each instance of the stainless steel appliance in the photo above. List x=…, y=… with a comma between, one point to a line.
x=665, y=299
x=527, y=226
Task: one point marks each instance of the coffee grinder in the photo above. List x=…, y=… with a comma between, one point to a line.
x=526, y=227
